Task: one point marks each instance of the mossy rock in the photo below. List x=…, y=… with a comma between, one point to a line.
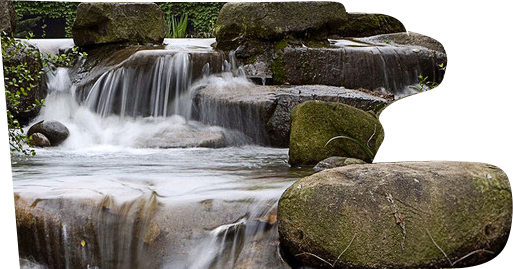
x=314, y=123
x=439, y=24
x=428, y=138
x=238, y=22
x=363, y=25
x=397, y=215
x=104, y=23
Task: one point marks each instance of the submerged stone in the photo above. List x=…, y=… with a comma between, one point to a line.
x=322, y=129
x=363, y=24
x=405, y=39
x=427, y=135
x=104, y=23
x=397, y=215
x=55, y=131
x=239, y=22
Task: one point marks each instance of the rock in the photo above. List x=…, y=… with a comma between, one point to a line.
x=28, y=55
x=263, y=112
x=104, y=23
x=336, y=161
x=315, y=123
x=55, y=131
x=363, y=25
x=439, y=23
x=40, y=140
x=7, y=17
x=240, y=22
x=351, y=65
x=397, y=215
x=427, y=133
x=406, y=39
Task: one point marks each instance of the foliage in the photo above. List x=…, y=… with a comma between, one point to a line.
x=367, y=150
x=425, y=84
x=178, y=28
x=357, y=6
x=201, y=15
x=20, y=79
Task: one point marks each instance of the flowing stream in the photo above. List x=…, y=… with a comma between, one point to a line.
x=138, y=184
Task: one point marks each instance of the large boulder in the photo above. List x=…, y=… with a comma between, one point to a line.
x=439, y=23
x=405, y=39
x=7, y=17
x=22, y=56
x=104, y=23
x=239, y=22
x=363, y=25
x=397, y=215
x=426, y=136
x=315, y=124
x=55, y=131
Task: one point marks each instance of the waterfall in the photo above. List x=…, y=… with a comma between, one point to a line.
x=159, y=91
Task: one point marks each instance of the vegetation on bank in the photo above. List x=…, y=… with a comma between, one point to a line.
x=24, y=68
x=55, y=19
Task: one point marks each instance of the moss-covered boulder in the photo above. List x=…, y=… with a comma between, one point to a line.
x=397, y=215
x=439, y=23
x=363, y=25
x=427, y=135
x=316, y=123
x=104, y=23
x=7, y=17
x=239, y=22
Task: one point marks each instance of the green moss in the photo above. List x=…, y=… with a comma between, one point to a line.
x=280, y=45
x=278, y=70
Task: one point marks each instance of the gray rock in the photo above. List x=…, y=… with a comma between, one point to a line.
x=439, y=23
x=336, y=161
x=104, y=23
x=240, y=22
x=39, y=140
x=407, y=39
x=7, y=17
x=397, y=215
x=55, y=131
x=364, y=24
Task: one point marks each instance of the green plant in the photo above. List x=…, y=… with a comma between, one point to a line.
x=202, y=16
x=20, y=79
x=367, y=150
x=178, y=28
x=425, y=84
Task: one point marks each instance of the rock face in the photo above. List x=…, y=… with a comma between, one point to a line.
x=397, y=215
x=427, y=136
x=40, y=140
x=55, y=131
x=315, y=123
x=27, y=55
x=7, y=17
x=239, y=22
x=363, y=25
x=407, y=39
x=263, y=112
x=335, y=161
x=104, y=23
x=355, y=66
x=439, y=23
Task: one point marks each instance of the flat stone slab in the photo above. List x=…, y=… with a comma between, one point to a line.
x=263, y=112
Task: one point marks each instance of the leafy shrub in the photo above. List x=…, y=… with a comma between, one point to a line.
x=20, y=79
